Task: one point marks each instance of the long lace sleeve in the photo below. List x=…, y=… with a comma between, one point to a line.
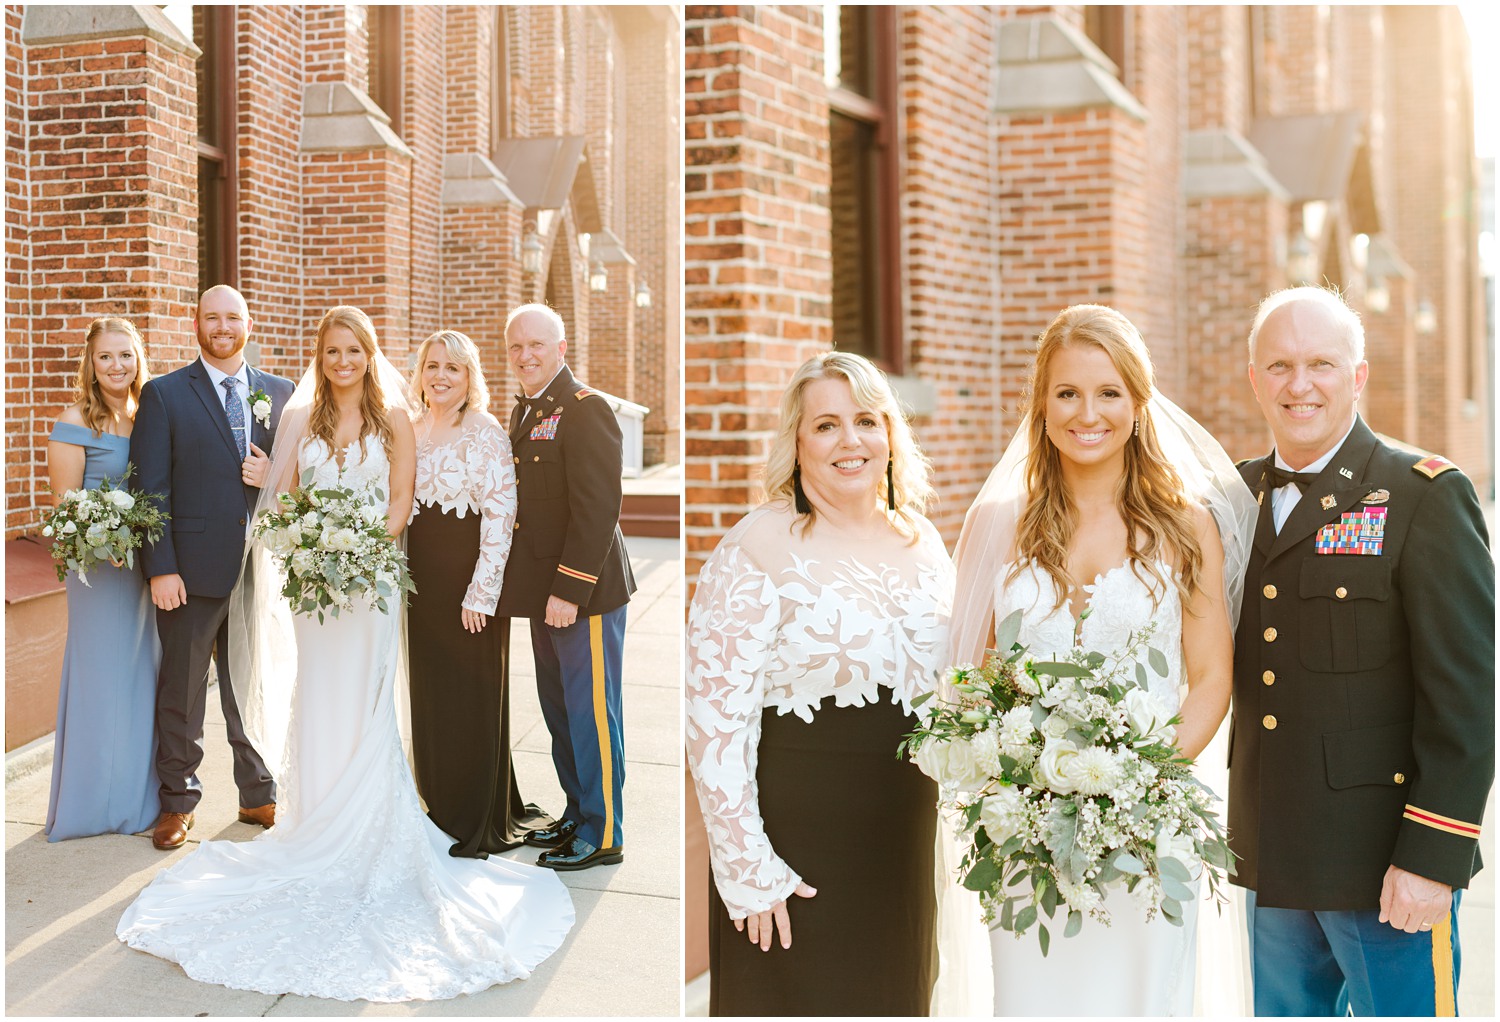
x=731, y=626
x=492, y=482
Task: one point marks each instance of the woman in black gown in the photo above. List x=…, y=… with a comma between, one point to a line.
x=457, y=544
x=817, y=622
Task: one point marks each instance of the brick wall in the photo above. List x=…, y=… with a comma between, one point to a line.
x=107, y=228
x=756, y=274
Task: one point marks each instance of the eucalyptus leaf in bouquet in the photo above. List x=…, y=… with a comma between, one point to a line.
x=1065, y=780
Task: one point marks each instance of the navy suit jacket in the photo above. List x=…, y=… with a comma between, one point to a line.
x=183, y=450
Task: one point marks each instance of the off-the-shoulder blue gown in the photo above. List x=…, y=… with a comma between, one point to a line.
x=103, y=780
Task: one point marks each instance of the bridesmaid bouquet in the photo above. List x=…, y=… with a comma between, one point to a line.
x=1066, y=774
x=89, y=527
x=331, y=542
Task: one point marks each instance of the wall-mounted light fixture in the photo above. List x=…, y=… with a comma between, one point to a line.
x=598, y=277
x=530, y=249
x=642, y=294
x=1424, y=320
x=1377, y=295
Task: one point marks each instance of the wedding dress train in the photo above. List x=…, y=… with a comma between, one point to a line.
x=352, y=895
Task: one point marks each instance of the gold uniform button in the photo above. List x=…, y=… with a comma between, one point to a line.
x=517, y=459
x=1341, y=592
x=516, y=526
x=1269, y=721
x=1269, y=677
x=536, y=457
x=1400, y=778
x=1270, y=592
x=1270, y=634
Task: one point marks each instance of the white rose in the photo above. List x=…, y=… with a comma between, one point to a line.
x=1055, y=726
x=1002, y=814
x=1052, y=766
x=1148, y=715
x=46, y=530
x=303, y=561
x=122, y=500
x=310, y=522
x=951, y=763
x=262, y=410
x=1172, y=845
x=69, y=528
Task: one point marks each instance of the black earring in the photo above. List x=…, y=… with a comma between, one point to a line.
x=890, y=484
x=799, y=499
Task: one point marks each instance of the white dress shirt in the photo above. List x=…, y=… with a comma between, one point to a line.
x=1287, y=497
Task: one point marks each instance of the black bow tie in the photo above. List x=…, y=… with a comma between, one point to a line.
x=1280, y=477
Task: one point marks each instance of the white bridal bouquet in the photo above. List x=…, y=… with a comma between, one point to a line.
x=88, y=527
x=1067, y=774
x=333, y=546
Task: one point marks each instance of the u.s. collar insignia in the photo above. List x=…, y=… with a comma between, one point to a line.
x=1376, y=497
x=1329, y=502
x=1346, y=473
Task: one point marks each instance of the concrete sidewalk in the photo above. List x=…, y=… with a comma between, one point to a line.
x=623, y=957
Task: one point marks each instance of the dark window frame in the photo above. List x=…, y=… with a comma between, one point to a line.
x=386, y=29
x=218, y=176
x=878, y=111
x=1111, y=28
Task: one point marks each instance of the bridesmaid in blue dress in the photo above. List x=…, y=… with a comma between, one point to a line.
x=103, y=780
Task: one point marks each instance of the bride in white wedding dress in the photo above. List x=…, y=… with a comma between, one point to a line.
x=1111, y=511
x=352, y=895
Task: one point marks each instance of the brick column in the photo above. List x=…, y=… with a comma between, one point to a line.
x=101, y=109
x=356, y=189
x=757, y=274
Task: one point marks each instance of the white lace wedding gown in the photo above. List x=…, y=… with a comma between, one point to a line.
x=352, y=895
x=1130, y=967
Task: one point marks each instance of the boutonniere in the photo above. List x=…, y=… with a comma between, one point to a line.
x=260, y=407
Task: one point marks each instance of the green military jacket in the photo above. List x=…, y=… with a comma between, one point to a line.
x=1364, y=679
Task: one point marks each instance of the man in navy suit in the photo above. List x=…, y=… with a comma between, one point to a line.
x=199, y=441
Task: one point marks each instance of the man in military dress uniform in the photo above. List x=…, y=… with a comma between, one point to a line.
x=568, y=572
x=1362, y=748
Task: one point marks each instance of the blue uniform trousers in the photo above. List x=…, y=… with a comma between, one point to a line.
x=1325, y=963
x=578, y=682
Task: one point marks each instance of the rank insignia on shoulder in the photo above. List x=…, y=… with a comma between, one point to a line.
x=582, y=393
x=1376, y=497
x=1433, y=466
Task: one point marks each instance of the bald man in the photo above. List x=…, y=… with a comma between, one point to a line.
x=199, y=445
x=569, y=574
x=1363, y=742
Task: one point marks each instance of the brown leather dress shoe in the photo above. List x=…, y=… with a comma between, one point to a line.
x=172, y=830
x=264, y=815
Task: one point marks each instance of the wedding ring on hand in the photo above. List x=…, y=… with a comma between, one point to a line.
x=1426, y=926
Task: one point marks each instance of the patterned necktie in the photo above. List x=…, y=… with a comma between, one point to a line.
x=236, y=413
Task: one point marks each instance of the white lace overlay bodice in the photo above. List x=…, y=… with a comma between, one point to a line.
x=474, y=474
x=1119, y=602
x=365, y=467
x=781, y=623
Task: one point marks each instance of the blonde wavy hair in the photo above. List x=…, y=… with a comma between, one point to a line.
x=324, y=418
x=466, y=353
x=97, y=414
x=910, y=468
x=1152, y=500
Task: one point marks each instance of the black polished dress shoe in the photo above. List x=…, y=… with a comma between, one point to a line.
x=579, y=854
x=552, y=837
